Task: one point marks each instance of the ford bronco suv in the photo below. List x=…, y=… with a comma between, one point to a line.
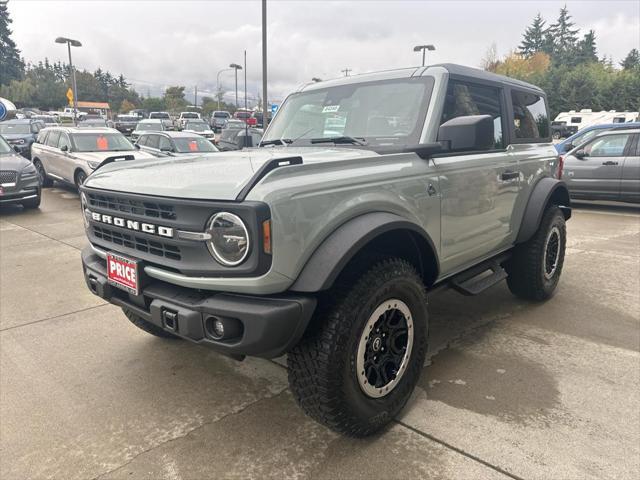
x=366, y=193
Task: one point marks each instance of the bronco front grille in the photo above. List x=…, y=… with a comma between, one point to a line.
x=153, y=247
x=8, y=176
x=136, y=207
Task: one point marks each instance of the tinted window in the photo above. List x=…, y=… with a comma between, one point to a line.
x=576, y=119
x=618, y=120
x=530, y=117
x=607, y=146
x=464, y=99
x=584, y=137
x=64, y=140
x=143, y=140
x=194, y=144
x=52, y=139
x=637, y=145
x=165, y=143
x=152, y=141
x=95, y=142
x=42, y=136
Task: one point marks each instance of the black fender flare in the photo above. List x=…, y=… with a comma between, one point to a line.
x=328, y=260
x=545, y=191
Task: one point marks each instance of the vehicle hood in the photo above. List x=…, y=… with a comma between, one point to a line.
x=214, y=176
x=100, y=156
x=13, y=162
x=17, y=136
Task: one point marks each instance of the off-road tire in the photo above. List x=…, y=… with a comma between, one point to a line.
x=32, y=202
x=322, y=367
x=526, y=268
x=44, y=180
x=148, y=327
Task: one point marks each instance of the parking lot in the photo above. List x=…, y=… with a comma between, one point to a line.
x=511, y=389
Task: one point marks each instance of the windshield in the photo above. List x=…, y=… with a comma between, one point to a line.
x=196, y=126
x=93, y=123
x=100, y=142
x=243, y=115
x=190, y=115
x=126, y=118
x=221, y=115
x=163, y=116
x=149, y=126
x=4, y=146
x=193, y=144
x=20, y=128
x=387, y=112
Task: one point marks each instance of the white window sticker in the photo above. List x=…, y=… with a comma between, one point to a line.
x=330, y=109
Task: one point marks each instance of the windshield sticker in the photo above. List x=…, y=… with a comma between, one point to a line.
x=330, y=109
x=102, y=143
x=193, y=146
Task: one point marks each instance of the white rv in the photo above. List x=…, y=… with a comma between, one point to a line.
x=587, y=117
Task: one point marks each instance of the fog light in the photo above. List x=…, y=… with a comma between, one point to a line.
x=218, y=328
x=223, y=328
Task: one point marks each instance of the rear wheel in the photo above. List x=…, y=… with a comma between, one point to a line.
x=80, y=177
x=359, y=362
x=44, y=180
x=148, y=327
x=535, y=267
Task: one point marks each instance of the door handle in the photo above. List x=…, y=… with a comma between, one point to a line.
x=610, y=162
x=509, y=175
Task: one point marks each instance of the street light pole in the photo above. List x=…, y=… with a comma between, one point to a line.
x=424, y=49
x=218, y=83
x=70, y=42
x=236, y=67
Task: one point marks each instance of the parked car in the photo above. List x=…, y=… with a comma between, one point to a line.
x=323, y=247
x=260, y=119
x=48, y=120
x=126, y=123
x=235, y=135
x=21, y=133
x=589, y=132
x=95, y=122
x=199, y=127
x=171, y=144
x=70, y=154
x=167, y=122
x=218, y=119
x=155, y=125
x=562, y=130
x=607, y=167
x=186, y=117
x=140, y=113
x=245, y=116
x=19, y=181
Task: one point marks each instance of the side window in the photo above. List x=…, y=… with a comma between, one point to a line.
x=142, y=141
x=165, y=143
x=152, y=141
x=530, y=118
x=64, y=140
x=52, y=139
x=576, y=119
x=608, y=146
x=465, y=99
x=35, y=128
x=42, y=137
x=637, y=145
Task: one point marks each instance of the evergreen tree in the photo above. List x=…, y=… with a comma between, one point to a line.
x=533, y=40
x=564, y=38
x=631, y=61
x=11, y=65
x=586, y=51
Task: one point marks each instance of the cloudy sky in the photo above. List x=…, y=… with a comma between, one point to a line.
x=168, y=42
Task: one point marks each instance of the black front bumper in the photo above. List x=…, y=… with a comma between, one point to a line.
x=271, y=325
x=22, y=192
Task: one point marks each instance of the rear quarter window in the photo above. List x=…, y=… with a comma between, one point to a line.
x=530, y=117
x=52, y=139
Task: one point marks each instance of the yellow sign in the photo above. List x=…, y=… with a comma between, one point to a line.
x=70, y=96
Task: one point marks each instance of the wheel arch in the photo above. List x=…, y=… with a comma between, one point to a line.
x=377, y=232
x=548, y=191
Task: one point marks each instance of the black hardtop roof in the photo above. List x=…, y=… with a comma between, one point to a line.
x=455, y=69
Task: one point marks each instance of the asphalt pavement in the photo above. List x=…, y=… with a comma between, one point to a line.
x=511, y=389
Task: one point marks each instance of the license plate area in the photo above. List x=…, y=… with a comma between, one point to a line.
x=122, y=273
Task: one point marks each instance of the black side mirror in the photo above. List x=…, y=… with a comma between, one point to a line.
x=471, y=132
x=580, y=154
x=64, y=148
x=136, y=146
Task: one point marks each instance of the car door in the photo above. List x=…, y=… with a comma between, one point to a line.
x=594, y=171
x=478, y=189
x=164, y=145
x=65, y=158
x=630, y=182
x=50, y=159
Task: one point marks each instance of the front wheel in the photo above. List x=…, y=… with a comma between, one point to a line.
x=44, y=180
x=535, y=267
x=359, y=362
x=80, y=178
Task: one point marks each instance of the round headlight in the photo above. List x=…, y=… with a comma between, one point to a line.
x=229, y=243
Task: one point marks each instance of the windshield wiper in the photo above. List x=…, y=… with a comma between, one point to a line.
x=338, y=140
x=276, y=141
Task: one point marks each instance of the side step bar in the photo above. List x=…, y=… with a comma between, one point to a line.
x=477, y=279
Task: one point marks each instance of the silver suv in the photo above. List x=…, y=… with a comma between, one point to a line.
x=70, y=154
x=367, y=192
